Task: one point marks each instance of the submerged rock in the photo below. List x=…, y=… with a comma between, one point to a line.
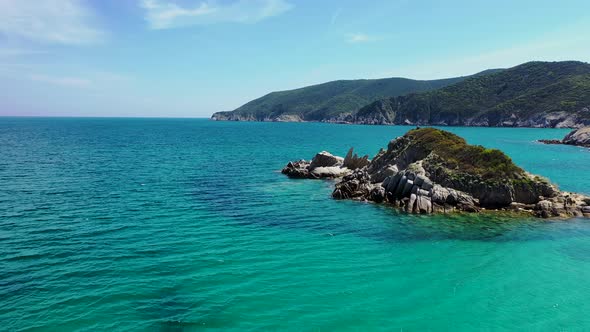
x=434, y=171
x=297, y=169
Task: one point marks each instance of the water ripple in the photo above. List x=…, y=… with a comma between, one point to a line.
x=181, y=225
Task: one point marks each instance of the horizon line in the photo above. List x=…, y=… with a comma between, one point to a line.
x=101, y=116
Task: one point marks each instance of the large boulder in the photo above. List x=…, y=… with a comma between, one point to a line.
x=323, y=165
x=329, y=172
x=354, y=186
x=325, y=159
x=297, y=169
x=545, y=209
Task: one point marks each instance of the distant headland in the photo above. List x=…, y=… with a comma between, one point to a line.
x=534, y=94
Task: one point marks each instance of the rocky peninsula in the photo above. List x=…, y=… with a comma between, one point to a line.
x=578, y=137
x=434, y=171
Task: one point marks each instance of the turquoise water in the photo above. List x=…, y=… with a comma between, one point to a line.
x=183, y=224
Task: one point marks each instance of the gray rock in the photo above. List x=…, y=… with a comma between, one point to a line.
x=378, y=194
x=384, y=173
x=407, y=188
x=355, y=185
x=411, y=208
x=354, y=162
x=427, y=185
x=544, y=209
x=419, y=191
x=329, y=172
x=386, y=181
x=461, y=200
x=578, y=137
x=419, y=180
x=423, y=205
x=423, y=192
x=325, y=159
x=400, y=187
x=439, y=194
x=394, y=182
x=297, y=169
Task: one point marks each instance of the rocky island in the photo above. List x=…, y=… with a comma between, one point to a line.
x=578, y=137
x=434, y=171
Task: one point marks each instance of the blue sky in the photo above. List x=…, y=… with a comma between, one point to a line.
x=191, y=58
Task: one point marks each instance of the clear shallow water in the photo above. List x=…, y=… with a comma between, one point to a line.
x=181, y=225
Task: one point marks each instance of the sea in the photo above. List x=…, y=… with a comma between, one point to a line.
x=121, y=224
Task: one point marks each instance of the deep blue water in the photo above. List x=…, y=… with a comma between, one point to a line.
x=187, y=224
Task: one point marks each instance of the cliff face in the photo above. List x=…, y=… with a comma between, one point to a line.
x=431, y=171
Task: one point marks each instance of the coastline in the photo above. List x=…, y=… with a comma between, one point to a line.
x=396, y=124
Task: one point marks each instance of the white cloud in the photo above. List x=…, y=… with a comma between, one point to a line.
x=165, y=14
x=63, y=81
x=359, y=38
x=49, y=21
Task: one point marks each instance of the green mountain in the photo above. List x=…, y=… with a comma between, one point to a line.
x=330, y=101
x=534, y=94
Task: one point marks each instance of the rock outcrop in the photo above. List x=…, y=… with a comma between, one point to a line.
x=433, y=171
x=578, y=137
x=325, y=165
x=353, y=161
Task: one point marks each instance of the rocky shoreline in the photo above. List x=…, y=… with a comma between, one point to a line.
x=577, y=137
x=553, y=121
x=434, y=171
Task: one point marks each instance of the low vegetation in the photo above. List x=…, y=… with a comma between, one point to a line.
x=333, y=99
x=476, y=160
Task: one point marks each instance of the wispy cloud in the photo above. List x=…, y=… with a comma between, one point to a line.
x=63, y=81
x=360, y=38
x=49, y=21
x=163, y=14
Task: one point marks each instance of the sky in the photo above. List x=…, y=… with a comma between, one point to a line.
x=191, y=58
